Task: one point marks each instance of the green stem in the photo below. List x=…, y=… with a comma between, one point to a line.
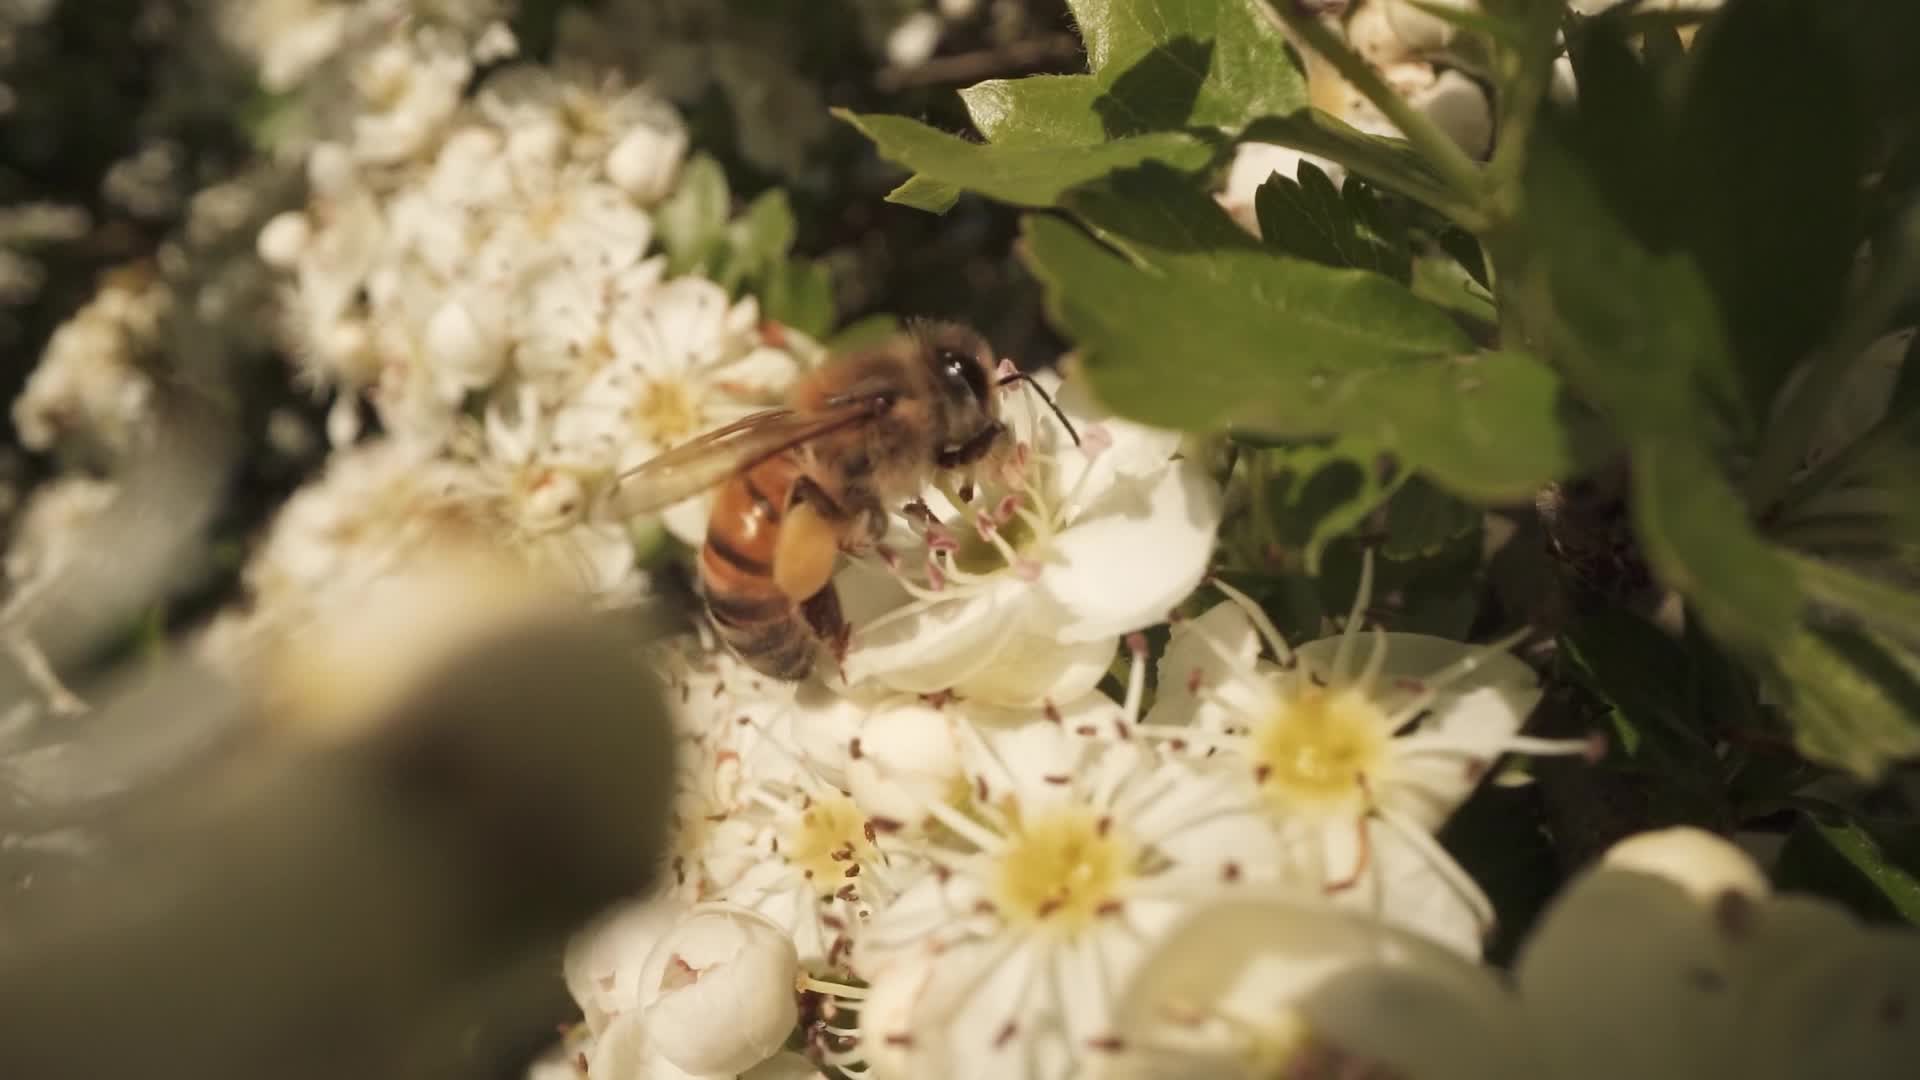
x=1454, y=167
x=1827, y=371
x=1524, y=73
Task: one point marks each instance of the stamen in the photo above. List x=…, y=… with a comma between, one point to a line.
x=1376, y=659
x=1270, y=633
x=1136, y=678
x=1356, y=618
x=831, y=989
x=1453, y=673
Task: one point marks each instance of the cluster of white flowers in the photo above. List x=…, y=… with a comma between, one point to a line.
x=1415, y=51
x=956, y=848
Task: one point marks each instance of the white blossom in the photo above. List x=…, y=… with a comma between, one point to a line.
x=89, y=388
x=1356, y=757
x=1037, y=548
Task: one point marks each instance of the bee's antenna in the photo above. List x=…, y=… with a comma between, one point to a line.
x=1021, y=376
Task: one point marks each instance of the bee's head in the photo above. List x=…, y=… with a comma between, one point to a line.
x=962, y=368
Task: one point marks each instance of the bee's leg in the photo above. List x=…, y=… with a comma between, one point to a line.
x=822, y=612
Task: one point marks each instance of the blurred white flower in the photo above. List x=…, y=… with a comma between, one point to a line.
x=409, y=89
x=89, y=391
x=718, y=995
x=1356, y=759
x=1009, y=597
x=1627, y=975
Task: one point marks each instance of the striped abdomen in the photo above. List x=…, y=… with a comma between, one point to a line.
x=759, y=622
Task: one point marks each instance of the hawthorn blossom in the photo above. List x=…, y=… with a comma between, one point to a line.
x=1629, y=973
x=89, y=391
x=1357, y=748
x=1068, y=856
x=1008, y=596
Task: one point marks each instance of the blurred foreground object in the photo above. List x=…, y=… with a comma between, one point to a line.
x=361, y=863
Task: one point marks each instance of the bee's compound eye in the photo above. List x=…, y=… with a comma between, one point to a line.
x=962, y=371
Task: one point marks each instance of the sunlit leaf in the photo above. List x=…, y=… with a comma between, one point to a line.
x=1198, y=327
x=1853, y=697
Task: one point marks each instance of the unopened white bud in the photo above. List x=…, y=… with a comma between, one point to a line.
x=906, y=758
x=330, y=171
x=1458, y=106
x=914, y=40
x=719, y=992
x=284, y=239
x=1704, y=865
x=1422, y=31
x=604, y=961
x=645, y=163
x=466, y=345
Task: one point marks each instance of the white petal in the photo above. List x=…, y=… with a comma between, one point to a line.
x=603, y=961
x=937, y=645
x=1704, y=865
x=1029, y=670
x=909, y=757
x=1839, y=1004
x=1628, y=976
x=1133, y=555
x=687, y=520
x=1191, y=664
x=760, y=375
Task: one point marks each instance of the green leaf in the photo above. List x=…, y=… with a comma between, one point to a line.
x=1423, y=521
x=863, y=332
x=1853, y=698
x=692, y=222
x=1695, y=532
x=1308, y=219
x=1172, y=64
x=1197, y=327
x=1022, y=174
x=921, y=193
x=799, y=293
x=1317, y=494
x=757, y=241
x=1846, y=860
x=1776, y=141
x=1042, y=110
x=1884, y=605
x=1387, y=163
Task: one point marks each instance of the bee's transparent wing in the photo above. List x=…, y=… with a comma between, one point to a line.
x=699, y=464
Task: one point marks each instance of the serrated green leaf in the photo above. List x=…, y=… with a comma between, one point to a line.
x=1773, y=169
x=1695, y=532
x=1882, y=604
x=757, y=241
x=921, y=193
x=1853, y=698
x=1317, y=494
x=692, y=222
x=1025, y=175
x=1197, y=327
x=1043, y=110
x=1846, y=860
x=1423, y=520
x=1390, y=164
x=799, y=293
x=1169, y=64
x=863, y=332
x=1309, y=219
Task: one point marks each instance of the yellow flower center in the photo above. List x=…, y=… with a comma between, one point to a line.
x=1063, y=869
x=668, y=411
x=978, y=555
x=826, y=840
x=1317, y=750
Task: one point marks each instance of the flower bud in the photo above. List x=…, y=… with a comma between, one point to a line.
x=604, y=961
x=284, y=239
x=904, y=759
x=1423, y=32
x=1458, y=106
x=1702, y=864
x=719, y=991
x=466, y=346
x=645, y=163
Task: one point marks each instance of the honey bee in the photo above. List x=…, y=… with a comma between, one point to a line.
x=799, y=484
